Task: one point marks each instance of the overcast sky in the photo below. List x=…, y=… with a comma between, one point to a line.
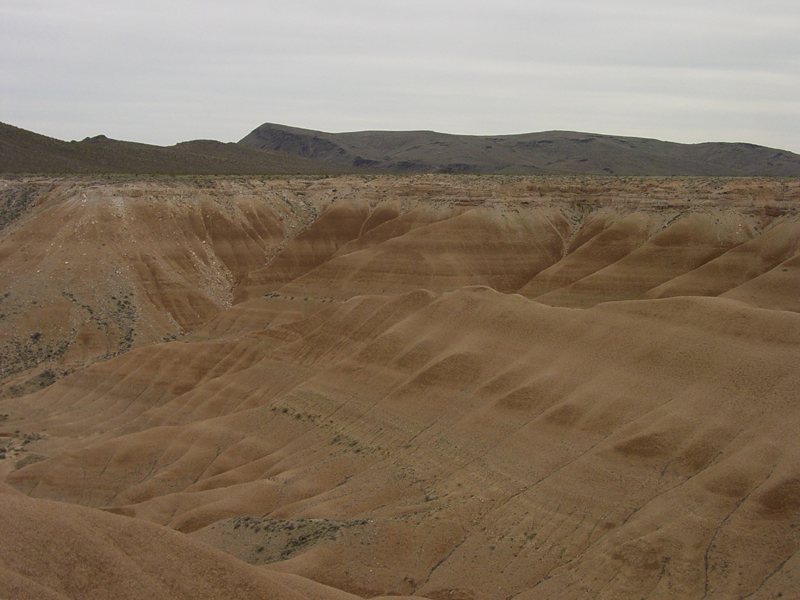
x=161, y=71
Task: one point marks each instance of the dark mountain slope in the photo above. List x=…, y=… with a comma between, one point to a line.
x=550, y=152
x=23, y=151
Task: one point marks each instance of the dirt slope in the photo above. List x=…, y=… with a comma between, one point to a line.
x=91, y=269
x=414, y=425
x=58, y=551
x=448, y=387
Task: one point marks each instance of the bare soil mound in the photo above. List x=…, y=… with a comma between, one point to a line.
x=57, y=551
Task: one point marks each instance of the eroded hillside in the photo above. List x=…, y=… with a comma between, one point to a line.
x=451, y=387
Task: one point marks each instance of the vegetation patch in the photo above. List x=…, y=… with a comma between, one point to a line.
x=18, y=355
x=274, y=540
x=16, y=447
x=16, y=200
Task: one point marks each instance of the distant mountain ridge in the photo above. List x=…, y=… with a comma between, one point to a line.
x=278, y=149
x=549, y=152
x=23, y=151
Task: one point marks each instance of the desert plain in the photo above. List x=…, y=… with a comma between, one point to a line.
x=440, y=386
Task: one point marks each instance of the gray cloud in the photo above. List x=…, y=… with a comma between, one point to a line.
x=164, y=72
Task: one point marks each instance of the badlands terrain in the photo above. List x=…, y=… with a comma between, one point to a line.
x=450, y=387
